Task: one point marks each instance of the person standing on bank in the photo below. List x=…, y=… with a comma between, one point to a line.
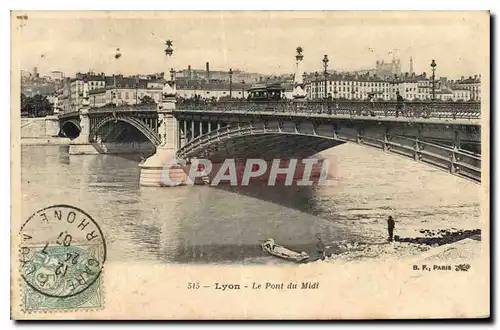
x=390, y=227
x=320, y=248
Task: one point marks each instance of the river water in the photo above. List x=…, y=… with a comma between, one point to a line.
x=224, y=225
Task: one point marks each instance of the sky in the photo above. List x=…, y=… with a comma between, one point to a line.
x=261, y=42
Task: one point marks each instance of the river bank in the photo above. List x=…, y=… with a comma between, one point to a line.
x=453, y=245
x=45, y=141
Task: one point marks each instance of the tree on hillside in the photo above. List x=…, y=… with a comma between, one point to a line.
x=23, y=102
x=36, y=106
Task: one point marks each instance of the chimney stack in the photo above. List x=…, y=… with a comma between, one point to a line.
x=207, y=65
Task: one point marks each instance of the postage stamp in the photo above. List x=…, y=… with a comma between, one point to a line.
x=62, y=253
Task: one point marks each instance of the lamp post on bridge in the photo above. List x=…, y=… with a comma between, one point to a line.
x=168, y=89
x=299, y=90
x=230, y=83
x=153, y=169
x=172, y=78
x=325, y=66
x=316, y=84
x=304, y=77
x=243, y=89
x=433, y=67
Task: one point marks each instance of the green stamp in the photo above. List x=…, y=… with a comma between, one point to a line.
x=62, y=256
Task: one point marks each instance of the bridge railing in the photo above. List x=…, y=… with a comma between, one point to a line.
x=124, y=108
x=421, y=109
x=68, y=114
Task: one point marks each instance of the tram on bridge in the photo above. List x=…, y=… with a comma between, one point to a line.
x=266, y=93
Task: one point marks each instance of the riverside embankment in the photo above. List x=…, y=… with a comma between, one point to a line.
x=42, y=131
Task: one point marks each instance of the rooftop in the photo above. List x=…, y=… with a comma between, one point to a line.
x=368, y=77
x=223, y=86
x=470, y=80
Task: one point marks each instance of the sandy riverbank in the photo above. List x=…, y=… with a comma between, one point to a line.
x=45, y=141
x=452, y=245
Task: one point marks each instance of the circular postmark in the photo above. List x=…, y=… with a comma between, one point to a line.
x=62, y=251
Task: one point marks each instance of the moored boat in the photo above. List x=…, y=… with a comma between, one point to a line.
x=282, y=252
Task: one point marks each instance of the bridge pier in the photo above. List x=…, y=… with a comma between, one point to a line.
x=163, y=169
x=81, y=145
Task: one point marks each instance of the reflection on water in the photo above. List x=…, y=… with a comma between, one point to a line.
x=226, y=224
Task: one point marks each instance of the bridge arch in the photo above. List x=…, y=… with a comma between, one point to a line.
x=249, y=141
x=71, y=128
x=150, y=134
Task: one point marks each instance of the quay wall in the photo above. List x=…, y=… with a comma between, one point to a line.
x=34, y=128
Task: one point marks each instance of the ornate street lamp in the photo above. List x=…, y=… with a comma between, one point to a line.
x=316, y=74
x=243, y=89
x=168, y=88
x=325, y=66
x=169, y=50
x=230, y=83
x=433, y=67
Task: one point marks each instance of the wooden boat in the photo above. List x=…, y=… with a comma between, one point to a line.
x=282, y=252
